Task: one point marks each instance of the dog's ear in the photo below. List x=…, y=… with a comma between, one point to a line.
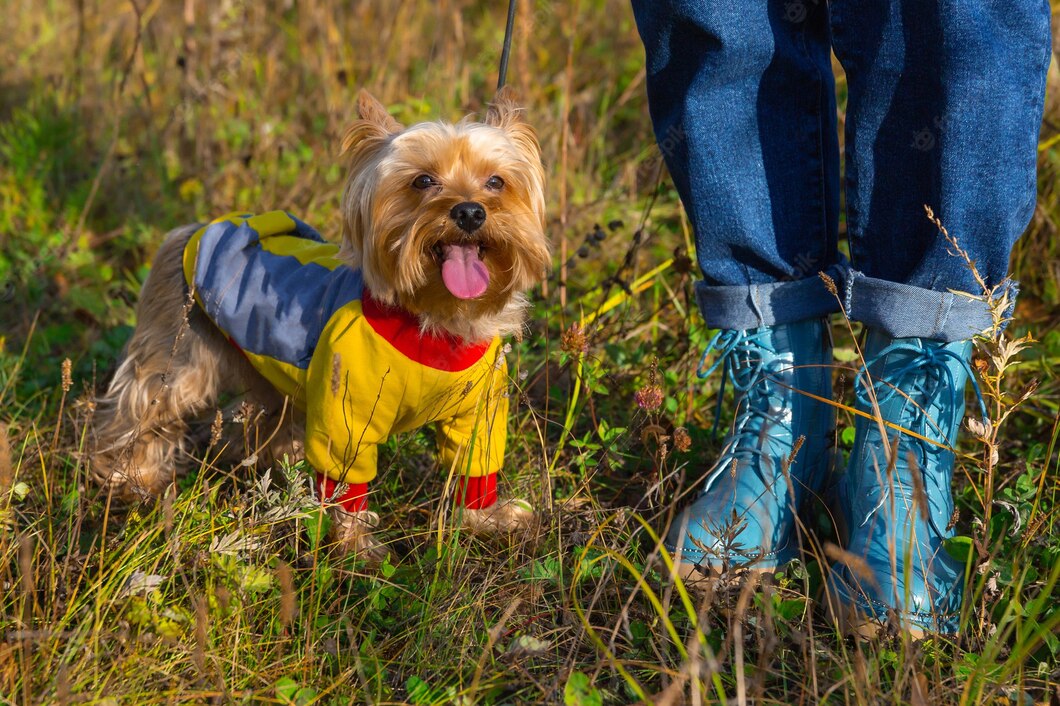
x=371, y=110
x=505, y=113
x=504, y=109
x=374, y=125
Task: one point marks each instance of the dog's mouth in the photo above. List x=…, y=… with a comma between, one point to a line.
x=463, y=272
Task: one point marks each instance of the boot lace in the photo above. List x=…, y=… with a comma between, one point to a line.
x=924, y=377
x=747, y=359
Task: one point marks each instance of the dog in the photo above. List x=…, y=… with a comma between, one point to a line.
x=443, y=232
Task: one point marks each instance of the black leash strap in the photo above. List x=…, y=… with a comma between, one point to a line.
x=502, y=74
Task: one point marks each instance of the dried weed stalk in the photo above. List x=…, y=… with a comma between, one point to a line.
x=996, y=354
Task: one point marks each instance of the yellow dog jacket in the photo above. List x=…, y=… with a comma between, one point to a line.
x=359, y=369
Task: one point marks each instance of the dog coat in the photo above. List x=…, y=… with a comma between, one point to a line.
x=360, y=370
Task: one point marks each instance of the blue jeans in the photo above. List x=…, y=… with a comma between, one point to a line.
x=944, y=104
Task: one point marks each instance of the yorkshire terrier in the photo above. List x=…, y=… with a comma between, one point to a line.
x=400, y=326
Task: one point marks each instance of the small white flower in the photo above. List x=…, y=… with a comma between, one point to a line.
x=980, y=429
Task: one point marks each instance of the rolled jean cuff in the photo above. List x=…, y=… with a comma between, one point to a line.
x=905, y=311
x=742, y=307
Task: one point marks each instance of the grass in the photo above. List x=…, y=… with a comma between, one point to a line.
x=119, y=120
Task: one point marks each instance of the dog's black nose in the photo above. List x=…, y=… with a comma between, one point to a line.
x=468, y=216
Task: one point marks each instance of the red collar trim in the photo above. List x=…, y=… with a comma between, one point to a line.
x=402, y=330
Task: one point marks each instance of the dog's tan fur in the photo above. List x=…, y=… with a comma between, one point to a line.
x=388, y=229
x=172, y=371
x=178, y=363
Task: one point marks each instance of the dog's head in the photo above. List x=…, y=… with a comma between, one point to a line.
x=447, y=220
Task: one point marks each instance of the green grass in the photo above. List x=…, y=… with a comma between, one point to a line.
x=124, y=121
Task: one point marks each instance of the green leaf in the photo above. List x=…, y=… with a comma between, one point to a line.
x=640, y=631
x=286, y=688
x=167, y=627
x=291, y=692
x=1026, y=488
x=592, y=563
x=608, y=433
x=255, y=580
x=522, y=504
x=316, y=523
x=420, y=692
x=20, y=490
x=845, y=354
x=597, y=387
x=545, y=569
x=325, y=577
x=305, y=696
x=137, y=612
x=789, y=609
x=959, y=547
x=580, y=691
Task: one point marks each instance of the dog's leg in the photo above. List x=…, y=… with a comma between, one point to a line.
x=351, y=532
x=351, y=520
x=483, y=514
x=505, y=516
x=172, y=370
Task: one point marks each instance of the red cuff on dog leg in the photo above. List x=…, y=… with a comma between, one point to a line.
x=479, y=492
x=353, y=498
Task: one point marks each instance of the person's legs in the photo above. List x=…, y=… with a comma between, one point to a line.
x=743, y=103
x=742, y=99
x=944, y=106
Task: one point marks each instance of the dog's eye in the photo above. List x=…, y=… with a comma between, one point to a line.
x=424, y=181
x=495, y=183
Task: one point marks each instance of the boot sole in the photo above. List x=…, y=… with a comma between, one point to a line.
x=854, y=623
x=703, y=579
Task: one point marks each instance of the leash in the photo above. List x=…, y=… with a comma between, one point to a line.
x=506, y=50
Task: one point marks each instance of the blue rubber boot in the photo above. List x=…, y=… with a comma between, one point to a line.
x=745, y=515
x=897, y=508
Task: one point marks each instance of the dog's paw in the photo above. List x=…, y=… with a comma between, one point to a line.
x=505, y=516
x=107, y=478
x=116, y=480
x=351, y=533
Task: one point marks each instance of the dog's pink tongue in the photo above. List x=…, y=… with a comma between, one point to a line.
x=463, y=273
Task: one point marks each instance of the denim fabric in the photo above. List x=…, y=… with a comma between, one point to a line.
x=743, y=307
x=944, y=106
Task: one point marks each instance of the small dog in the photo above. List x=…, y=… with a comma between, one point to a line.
x=442, y=234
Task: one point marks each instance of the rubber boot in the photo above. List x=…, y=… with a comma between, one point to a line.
x=897, y=506
x=745, y=515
